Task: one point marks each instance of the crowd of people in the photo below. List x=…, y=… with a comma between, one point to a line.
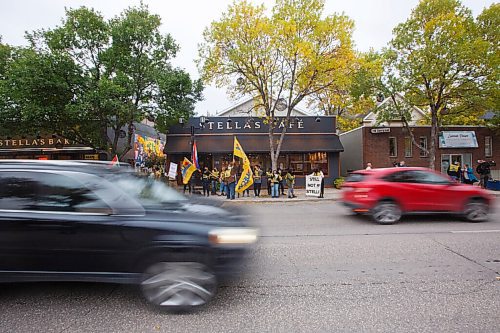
x=223, y=182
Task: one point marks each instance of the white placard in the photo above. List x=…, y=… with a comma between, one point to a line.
x=457, y=139
x=172, y=171
x=313, y=186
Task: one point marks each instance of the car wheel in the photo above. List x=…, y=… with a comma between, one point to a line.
x=178, y=286
x=386, y=212
x=476, y=211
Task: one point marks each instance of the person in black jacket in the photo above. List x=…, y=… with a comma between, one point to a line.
x=484, y=171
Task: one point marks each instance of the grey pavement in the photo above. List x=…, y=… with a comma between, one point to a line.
x=316, y=268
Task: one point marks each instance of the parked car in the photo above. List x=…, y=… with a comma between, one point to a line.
x=387, y=194
x=77, y=221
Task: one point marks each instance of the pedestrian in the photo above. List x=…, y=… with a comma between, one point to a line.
x=290, y=182
x=205, y=181
x=281, y=184
x=214, y=177
x=257, y=180
x=368, y=166
x=238, y=176
x=269, y=176
x=231, y=181
x=484, y=171
x=402, y=164
x=468, y=175
x=222, y=180
x=318, y=173
x=454, y=171
x=275, y=181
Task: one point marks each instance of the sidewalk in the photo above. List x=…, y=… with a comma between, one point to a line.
x=331, y=194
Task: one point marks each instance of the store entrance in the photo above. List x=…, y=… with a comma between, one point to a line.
x=447, y=159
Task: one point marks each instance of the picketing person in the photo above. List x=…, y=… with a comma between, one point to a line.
x=257, y=180
x=290, y=182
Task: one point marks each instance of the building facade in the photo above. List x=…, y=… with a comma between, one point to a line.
x=309, y=143
x=384, y=146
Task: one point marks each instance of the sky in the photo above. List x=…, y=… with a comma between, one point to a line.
x=185, y=20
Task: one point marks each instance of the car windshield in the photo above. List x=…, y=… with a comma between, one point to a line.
x=148, y=191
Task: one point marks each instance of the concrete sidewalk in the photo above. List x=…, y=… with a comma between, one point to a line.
x=331, y=194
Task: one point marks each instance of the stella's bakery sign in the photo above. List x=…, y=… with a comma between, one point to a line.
x=49, y=142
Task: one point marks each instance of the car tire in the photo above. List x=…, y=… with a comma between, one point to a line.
x=178, y=286
x=386, y=212
x=476, y=210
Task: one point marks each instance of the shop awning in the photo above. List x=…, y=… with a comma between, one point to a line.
x=254, y=143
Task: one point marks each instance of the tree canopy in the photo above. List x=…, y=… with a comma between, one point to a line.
x=281, y=59
x=90, y=77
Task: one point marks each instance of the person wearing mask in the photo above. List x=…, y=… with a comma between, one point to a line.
x=257, y=180
x=402, y=164
x=290, y=182
x=368, y=166
x=269, y=176
x=275, y=183
x=205, y=181
x=214, y=177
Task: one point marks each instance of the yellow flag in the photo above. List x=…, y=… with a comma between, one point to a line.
x=246, y=179
x=187, y=169
x=238, y=151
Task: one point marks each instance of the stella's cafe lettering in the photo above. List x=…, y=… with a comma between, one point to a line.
x=27, y=143
x=236, y=125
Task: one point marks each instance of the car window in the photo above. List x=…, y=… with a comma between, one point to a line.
x=427, y=177
x=400, y=177
x=355, y=178
x=148, y=191
x=44, y=191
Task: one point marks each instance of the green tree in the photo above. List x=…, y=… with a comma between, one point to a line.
x=109, y=74
x=353, y=94
x=436, y=59
x=281, y=59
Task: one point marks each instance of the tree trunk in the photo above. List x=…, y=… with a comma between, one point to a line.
x=434, y=137
x=274, y=157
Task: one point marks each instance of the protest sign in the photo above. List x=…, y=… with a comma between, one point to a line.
x=313, y=186
x=172, y=172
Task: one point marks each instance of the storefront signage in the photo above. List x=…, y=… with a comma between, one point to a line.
x=91, y=156
x=457, y=139
x=36, y=143
x=235, y=125
x=380, y=130
x=313, y=186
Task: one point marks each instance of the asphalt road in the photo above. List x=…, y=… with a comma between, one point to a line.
x=316, y=269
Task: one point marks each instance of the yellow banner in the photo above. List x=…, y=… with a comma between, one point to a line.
x=187, y=169
x=246, y=179
x=238, y=151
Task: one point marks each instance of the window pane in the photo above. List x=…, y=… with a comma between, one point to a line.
x=393, y=148
x=423, y=144
x=408, y=147
x=488, y=146
x=317, y=160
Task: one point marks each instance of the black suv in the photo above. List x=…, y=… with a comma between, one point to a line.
x=80, y=221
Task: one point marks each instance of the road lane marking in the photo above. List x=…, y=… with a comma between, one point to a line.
x=473, y=231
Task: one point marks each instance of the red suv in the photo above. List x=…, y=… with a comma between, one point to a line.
x=387, y=194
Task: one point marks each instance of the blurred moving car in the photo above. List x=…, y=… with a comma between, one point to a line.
x=387, y=194
x=78, y=221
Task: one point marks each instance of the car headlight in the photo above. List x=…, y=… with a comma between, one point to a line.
x=233, y=236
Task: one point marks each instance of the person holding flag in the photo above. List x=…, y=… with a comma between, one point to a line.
x=187, y=170
x=246, y=179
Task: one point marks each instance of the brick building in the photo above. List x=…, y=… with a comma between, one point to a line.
x=383, y=146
